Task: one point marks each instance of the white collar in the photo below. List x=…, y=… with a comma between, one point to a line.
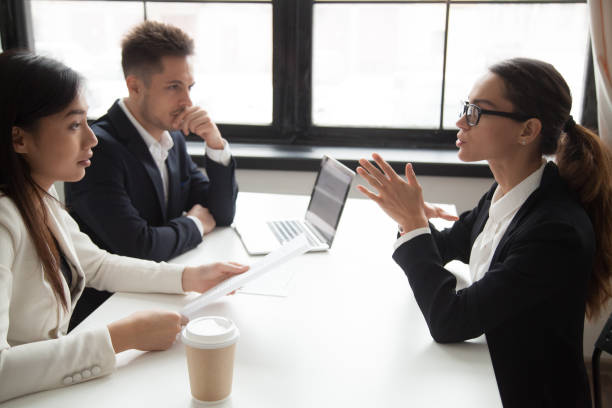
x=163, y=146
x=513, y=199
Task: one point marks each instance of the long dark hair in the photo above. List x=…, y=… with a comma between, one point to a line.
x=32, y=87
x=536, y=89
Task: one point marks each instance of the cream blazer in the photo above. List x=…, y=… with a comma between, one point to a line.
x=35, y=352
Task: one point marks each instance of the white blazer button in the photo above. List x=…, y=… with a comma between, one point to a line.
x=77, y=377
x=86, y=373
x=95, y=370
x=67, y=380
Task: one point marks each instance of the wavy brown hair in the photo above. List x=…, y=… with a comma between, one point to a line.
x=32, y=87
x=536, y=89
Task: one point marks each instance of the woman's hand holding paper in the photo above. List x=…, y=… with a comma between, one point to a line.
x=203, y=277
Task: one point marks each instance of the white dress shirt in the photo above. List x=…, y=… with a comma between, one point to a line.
x=159, y=152
x=502, y=211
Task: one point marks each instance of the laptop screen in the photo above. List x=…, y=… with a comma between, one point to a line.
x=328, y=196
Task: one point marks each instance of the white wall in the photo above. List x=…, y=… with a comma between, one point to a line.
x=463, y=192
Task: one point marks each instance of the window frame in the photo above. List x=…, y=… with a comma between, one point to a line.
x=292, y=36
x=292, y=87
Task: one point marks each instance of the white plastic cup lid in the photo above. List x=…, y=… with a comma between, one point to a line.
x=210, y=332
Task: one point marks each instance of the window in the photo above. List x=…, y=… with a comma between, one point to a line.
x=316, y=72
x=377, y=65
x=383, y=64
x=555, y=33
x=233, y=58
x=86, y=36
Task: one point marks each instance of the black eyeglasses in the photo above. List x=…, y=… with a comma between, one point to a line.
x=472, y=113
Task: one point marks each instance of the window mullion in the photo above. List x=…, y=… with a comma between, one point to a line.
x=443, y=90
x=303, y=82
x=16, y=24
x=292, y=34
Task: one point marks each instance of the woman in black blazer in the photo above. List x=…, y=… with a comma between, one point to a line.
x=538, y=270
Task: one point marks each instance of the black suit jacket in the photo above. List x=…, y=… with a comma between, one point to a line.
x=120, y=204
x=531, y=302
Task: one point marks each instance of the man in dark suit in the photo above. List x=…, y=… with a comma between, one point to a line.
x=143, y=196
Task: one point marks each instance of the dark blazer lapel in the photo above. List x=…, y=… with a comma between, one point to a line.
x=129, y=136
x=174, y=183
x=550, y=179
x=481, y=219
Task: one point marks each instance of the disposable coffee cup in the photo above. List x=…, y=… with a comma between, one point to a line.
x=210, y=343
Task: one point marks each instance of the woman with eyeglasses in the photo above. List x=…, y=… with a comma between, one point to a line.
x=45, y=261
x=538, y=244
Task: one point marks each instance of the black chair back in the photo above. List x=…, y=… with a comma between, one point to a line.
x=603, y=343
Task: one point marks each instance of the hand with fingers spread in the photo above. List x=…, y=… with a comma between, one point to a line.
x=401, y=199
x=196, y=120
x=203, y=277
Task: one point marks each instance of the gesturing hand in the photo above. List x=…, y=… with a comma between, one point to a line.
x=203, y=277
x=196, y=120
x=401, y=199
x=432, y=211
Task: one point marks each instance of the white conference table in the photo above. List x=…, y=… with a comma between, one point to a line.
x=349, y=333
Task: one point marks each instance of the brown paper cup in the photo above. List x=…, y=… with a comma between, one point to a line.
x=210, y=344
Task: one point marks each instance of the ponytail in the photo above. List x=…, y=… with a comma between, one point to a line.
x=537, y=89
x=585, y=163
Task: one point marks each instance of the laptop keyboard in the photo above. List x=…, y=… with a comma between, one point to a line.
x=286, y=230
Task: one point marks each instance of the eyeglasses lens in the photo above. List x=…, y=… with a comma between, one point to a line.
x=462, y=109
x=470, y=111
x=470, y=115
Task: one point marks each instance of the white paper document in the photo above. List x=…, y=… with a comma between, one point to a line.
x=297, y=246
x=275, y=283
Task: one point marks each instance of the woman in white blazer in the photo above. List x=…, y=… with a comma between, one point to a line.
x=45, y=261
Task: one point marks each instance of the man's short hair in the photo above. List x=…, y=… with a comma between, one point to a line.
x=145, y=45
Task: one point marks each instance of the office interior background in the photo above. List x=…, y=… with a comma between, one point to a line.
x=290, y=80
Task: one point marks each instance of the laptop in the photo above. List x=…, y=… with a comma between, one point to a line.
x=320, y=222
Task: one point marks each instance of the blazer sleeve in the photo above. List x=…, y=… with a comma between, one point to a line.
x=218, y=193
x=45, y=364
x=455, y=243
x=537, y=266
x=105, y=271
x=101, y=202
